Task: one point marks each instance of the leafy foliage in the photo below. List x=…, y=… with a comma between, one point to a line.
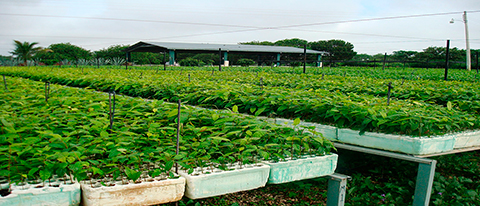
x=63, y=51
x=70, y=135
x=338, y=49
x=190, y=62
x=245, y=62
x=358, y=111
x=25, y=50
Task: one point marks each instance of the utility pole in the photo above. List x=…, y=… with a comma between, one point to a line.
x=469, y=60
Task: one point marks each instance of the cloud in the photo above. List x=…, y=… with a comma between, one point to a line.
x=97, y=24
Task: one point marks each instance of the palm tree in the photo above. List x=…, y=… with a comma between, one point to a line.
x=25, y=50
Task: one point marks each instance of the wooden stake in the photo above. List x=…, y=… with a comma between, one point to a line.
x=178, y=133
x=447, y=59
x=5, y=82
x=47, y=91
x=112, y=107
x=388, y=93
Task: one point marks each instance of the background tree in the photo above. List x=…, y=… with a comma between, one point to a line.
x=362, y=57
x=295, y=42
x=25, y=50
x=338, y=49
x=404, y=55
x=115, y=51
x=63, y=51
x=265, y=43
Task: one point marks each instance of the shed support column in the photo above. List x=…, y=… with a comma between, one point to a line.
x=171, y=59
x=319, y=60
x=127, y=59
x=278, y=59
x=225, y=59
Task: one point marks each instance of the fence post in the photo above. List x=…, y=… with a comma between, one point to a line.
x=384, y=60
x=447, y=60
x=5, y=82
x=304, y=58
x=220, y=62
x=178, y=134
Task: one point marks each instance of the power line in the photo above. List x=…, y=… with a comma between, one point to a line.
x=377, y=19
x=132, y=20
x=331, y=22
x=240, y=26
x=246, y=28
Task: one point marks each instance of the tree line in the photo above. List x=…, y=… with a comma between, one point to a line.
x=340, y=52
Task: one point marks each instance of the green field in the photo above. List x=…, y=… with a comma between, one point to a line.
x=72, y=128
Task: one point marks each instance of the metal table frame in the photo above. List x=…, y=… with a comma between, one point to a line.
x=337, y=189
x=425, y=174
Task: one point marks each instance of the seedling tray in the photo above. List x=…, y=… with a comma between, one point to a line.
x=145, y=193
x=300, y=169
x=220, y=182
x=396, y=143
x=37, y=194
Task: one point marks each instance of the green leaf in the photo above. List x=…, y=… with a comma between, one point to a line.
x=104, y=134
x=132, y=174
x=296, y=122
x=235, y=108
x=169, y=165
x=215, y=116
x=220, y=138
x=97, y=171
x=449, y=105
x=32, y=171
x=45, y=174
x=5, y=123
x=259, y=111
x=172, y=113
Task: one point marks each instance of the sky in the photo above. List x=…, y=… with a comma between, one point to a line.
x=372, y=26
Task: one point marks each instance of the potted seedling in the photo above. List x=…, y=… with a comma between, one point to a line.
x=154, y=191
x=298, y=166
x=222, y=182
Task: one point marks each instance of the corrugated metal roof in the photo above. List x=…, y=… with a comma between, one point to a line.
x=143, y=46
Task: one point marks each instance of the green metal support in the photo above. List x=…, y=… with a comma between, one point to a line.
x=319, y=60
x=278, y=59
x=425, y=174
x=171, y=59
x=225, y=58
x=423, y=187
x=337, y=189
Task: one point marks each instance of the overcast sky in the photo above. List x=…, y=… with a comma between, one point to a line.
x=372, y=26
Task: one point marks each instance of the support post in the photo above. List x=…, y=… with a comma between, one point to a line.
x=164, y=61
x=171, y=58
x=447, y=58
x=319, y=60
x=220, y=59
x=178, y=133
x=278, y=59
x=384, y=60
x=423, y=187
x=304, y=58
x=126, y=60
x=467, y=42
x=225, y=59
x=337, y=186
x=476, y=59
x=5, y=82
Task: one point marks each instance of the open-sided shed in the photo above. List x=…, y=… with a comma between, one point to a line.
x=222, y=49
